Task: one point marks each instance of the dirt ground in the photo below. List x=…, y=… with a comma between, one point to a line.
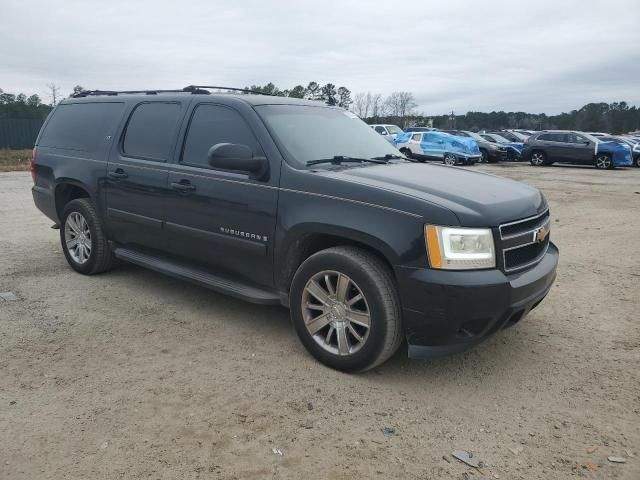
x=132, y=375
x=14, y=160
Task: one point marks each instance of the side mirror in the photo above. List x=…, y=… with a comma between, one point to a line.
x=587, y=142
x=233, y=156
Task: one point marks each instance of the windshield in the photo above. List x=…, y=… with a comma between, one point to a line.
x=520, y=136
x=393, y=129
x=475, y=136
x=308, y=133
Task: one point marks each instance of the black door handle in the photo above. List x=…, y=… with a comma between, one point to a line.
x=183, y=186
x=119, y=173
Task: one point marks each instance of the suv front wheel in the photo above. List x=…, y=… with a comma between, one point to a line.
x=604, y=162
x=83, y=240
x=345, y=309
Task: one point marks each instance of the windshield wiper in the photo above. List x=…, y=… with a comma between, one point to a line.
x=338, y=159
x=393, y=156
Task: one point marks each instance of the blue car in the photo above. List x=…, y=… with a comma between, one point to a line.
x=440, y=146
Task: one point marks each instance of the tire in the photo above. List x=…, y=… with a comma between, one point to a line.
x=364, y=275
x=484, y=156
x=636, y=162
x=604, y=162
x=538, y=158
x=449, y=159
x=80, y=222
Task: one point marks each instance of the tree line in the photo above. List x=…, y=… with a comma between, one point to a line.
x=399, y=108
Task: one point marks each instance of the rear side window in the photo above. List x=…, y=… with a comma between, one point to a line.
x=553, y=137
x=213, y=124
x=151, y=131
x=83, y=127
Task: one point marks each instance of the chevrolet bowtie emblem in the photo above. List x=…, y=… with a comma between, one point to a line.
x=540, y=234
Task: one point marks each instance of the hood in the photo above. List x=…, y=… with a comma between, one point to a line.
x=466, y=144
x=477, y=199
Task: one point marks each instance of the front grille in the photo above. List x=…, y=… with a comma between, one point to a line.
x=522, y=243
x=528, y=224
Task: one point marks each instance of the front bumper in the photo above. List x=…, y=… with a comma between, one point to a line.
x=451, y=311
x=465, y=158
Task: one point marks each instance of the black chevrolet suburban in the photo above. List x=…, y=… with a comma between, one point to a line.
x=282, y=201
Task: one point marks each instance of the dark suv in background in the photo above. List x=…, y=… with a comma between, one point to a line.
x=276, y=200
x=547, y=147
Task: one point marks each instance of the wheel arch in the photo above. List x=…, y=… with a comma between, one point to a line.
x=312, y=238
x=67, y=190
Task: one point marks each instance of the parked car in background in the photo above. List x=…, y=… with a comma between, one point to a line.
x=419, y=129
x=438, y=146
x=634, y=144
x=388, y=131
x=491, y=152
x=510, y=135
x=514, y=149
x=547, y=147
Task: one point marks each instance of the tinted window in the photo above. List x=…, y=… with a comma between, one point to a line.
x=213, y=124
x=381, y=130
x=575, y=138
x=82, y=126
x=553, y=137
x=151, y=131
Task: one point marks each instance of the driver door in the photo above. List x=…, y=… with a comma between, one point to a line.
x=218, y=219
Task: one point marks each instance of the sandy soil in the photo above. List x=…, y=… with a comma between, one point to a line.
x=131, y=374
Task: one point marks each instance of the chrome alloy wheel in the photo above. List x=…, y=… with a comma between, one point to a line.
x=450, y=159
x=603, y=161
x=537, y=159
x=77, y=237
x=336, y=313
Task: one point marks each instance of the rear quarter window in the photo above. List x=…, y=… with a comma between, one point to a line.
x=82, y=127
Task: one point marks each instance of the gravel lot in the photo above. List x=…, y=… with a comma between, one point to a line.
x=131, y=374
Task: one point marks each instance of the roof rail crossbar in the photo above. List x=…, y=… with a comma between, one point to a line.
x=193, y=89
x=88, y=93
x=196, y=88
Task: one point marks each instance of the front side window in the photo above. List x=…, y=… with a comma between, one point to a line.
x=381, y=130
x=575, y=138
x=151, y=131
x=393, y=129
x=213, y=124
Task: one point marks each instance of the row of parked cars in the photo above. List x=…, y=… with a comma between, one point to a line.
x=462, y=147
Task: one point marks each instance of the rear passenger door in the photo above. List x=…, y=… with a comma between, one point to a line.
x=432, y=145
x=222, y=220
x=136, y=183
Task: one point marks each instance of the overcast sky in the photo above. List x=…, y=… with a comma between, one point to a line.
x=546, y=56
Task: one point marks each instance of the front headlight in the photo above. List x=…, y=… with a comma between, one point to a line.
x=457, y=248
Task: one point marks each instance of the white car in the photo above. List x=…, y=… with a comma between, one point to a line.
x=388, y=131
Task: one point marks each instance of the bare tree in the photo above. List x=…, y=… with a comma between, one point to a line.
x=401, y=105
x=377, y=106
x=54, y=93
x=360, y=105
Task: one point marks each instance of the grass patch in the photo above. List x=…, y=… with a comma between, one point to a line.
x=14, y=160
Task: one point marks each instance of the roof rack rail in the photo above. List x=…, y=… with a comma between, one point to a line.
x=196, y=88
x=193, y=89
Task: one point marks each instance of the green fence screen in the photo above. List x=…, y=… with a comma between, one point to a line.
x=19, y=132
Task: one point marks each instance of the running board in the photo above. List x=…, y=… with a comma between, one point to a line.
x=220, y=284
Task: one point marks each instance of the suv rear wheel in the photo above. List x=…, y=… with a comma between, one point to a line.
x=450, y=159
x=538, y=158
x=604, y=162
x=345, y=309
x=83, y=240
